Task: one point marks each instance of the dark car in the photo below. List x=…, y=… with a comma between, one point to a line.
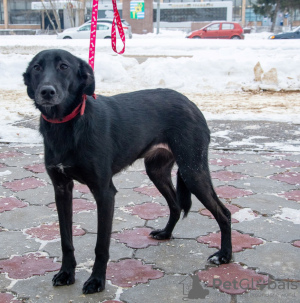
x=218, y=30
x=295, y=34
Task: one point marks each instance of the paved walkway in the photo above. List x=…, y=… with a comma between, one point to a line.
x=261, y=189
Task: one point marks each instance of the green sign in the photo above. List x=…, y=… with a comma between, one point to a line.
x=137, y=9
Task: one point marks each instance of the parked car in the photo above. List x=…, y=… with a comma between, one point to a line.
x=83, y=31
x=125, y=24
x=295, y=34
x=219, y=30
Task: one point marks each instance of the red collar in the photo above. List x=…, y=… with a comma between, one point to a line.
x=79, y=109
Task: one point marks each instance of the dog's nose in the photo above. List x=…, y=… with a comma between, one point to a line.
x=48, y=92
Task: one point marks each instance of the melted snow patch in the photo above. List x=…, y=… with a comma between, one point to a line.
x=245, y=214
x=289, y=214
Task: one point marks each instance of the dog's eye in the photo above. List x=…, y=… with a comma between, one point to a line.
x=63, y=66
x=37, y=67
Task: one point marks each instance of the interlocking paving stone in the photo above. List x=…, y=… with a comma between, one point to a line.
x=26, y=266
x=288, y=177
x=172, y=289
x=151, y=191
x=24, y=184
x=231, y=192
x=8, y=298
x=239, y=241
x=285, y=163
x=9, y=174
x=192, y=226
x=136, y=238
x=49, y=232
x=277, y=259
x=149, y=211
x=168, y=256
x=265, y=203
x=225, y=162
x=10, y=203
x=128, y=179
x=232, y=278
x=227, y=175
x=231, y=207
x=79, y=205
x=36, y=168
x=293, y=195
x=128, y=197
x=15, y=243
x=27, y=217
x=270, y=229
x=129, y=272
x=40, y=289
x=296, y=243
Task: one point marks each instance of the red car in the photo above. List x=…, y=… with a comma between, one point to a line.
x=219, y=30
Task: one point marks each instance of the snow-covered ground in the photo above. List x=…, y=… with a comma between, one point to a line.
x=218, y=75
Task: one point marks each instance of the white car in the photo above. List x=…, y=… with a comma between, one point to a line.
x=83, y=32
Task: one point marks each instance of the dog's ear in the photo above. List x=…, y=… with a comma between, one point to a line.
x=86, y=74
x=26, y=77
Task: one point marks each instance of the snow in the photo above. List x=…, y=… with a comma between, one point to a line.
x=289, y=214
x=218, y=75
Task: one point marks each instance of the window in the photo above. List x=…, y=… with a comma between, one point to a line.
x=213, y=27
x=227, y=26
x=101, y=27
x=85, y=28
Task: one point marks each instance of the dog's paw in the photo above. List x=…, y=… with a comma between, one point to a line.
x=64, y=278
x=93, y=285
x=160, y=234
x=220, y=257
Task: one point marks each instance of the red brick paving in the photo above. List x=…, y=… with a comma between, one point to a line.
x=233, y=278
x=82, y=188
x=227, y=175
x=8, y=298
x=149, y=211
x=36, y=168
x=232, y=208
x=296, y=243
x=293, y=195
x=225, y=162
x=231, y=192
x=7, y=204
x=151, y=191
x=79, y=205
x=288, y=177
x=239, y=241
x=136, y=238
x=10, y=154
x=49, y=232
x=24, y=184
x=129, y=272
x=23, y=267
x=285, y=163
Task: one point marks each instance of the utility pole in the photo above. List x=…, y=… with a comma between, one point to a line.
x=243, y=13
x=157, y=16
x=5, y=9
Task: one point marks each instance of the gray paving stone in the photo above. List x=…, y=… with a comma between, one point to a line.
x=276, y=292
x=266, y=203
x=176, y=256
x=270, y=229
x=85, y=249
x=4, y=283
x=193, y=226
x=129, y=179
x=15, y=243
x=256, y=170
x=15, y=173
x=276, y=259
x=170, y=289
x=21, y=218
x=40, y=289
x=262, y=185
x=122, y=220
x=129, y=197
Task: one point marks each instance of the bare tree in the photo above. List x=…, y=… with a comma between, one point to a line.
x=54, y=11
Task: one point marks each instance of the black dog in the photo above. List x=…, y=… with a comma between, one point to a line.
x=161, y=126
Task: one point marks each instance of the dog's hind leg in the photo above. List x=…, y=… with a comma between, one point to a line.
x=158, y=168
x=195, y=174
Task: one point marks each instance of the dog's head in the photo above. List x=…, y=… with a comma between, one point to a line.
x=56, y=77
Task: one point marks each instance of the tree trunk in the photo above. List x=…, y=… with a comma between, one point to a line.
x=56, y=16
x=277, y=8
x=46, y=11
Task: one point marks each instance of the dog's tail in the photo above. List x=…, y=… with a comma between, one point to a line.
x=184, y=199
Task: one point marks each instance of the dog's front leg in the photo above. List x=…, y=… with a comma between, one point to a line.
x=63, y=187
x=105, y=198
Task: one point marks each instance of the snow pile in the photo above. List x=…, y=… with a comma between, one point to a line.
x=289, y=214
